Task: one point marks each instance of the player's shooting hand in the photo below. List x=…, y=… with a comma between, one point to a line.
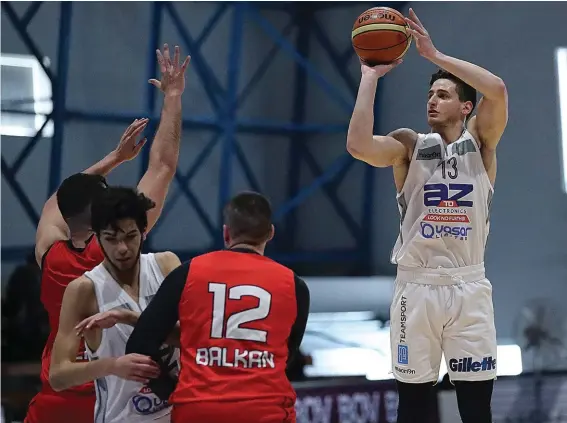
x=172, y=81
x=378, y=71
x=104, y=320
x=422, y=39
x=129, y=146
x=136, y=367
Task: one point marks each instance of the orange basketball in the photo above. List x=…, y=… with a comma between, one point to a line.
x=380, y=36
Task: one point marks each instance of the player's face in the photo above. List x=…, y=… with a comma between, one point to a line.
x=122, y=245
x=443, y=104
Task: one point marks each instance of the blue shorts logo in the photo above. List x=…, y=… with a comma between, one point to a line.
x=403, y=355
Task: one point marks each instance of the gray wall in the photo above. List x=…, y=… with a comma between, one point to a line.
x=525, y=257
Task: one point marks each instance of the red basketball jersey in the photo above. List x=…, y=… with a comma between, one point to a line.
x=62, y=264
x=236, y=314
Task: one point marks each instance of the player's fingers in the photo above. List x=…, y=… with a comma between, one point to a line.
x=144, y=370
x=139, y=129
x=155, y=82
x=176, y=57
x=415, y=34
x=415, y=18
x=143, y=359
x=185, y=63
x=161, y=61
x=415, y=27
x=166, y=55
x=82, y=323
x=139, y=146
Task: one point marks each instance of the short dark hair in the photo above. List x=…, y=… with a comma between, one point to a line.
x=464, y=90
x=248, y=217
x=77, y=193
x=119, y=203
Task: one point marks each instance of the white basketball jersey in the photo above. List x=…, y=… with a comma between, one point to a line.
x=444, y=205
x=119, y=400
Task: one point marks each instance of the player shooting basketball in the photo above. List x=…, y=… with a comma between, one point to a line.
x=444, y=180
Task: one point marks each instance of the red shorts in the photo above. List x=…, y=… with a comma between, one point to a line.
x=233, y=412
x=49, y=408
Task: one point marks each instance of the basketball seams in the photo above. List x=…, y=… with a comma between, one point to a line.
x=408, y=37
x=378, y=27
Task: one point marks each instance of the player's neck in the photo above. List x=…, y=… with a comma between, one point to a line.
x=256, y=248
x=449, y=133
x=79, y=239
x=130, y=277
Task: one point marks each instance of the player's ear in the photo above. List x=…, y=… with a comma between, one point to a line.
x=272, y=232
x=467, y=108
x=225, y=235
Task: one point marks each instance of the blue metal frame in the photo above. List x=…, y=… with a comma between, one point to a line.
x=224, y=124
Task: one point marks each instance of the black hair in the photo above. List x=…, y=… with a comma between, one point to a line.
x=119, y=203
x=464, y=90
x=248, y=217
x=77, y=193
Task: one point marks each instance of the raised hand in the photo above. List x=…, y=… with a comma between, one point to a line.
x=136, y=367
x=422, y=39
x=129, y=147
x=172, y=81
x=379, y=70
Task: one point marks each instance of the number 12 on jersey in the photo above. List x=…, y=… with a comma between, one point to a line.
x=232, y=329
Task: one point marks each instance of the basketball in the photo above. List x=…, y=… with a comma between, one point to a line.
x=380, y=36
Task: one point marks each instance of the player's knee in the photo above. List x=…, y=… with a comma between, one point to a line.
x=415, y=401
x=474, y=400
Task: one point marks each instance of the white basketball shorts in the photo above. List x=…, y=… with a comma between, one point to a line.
x=437, y=311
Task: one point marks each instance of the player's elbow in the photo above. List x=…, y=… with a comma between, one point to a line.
x=56, y=379
x=356, y=146
x=499, y=89
x=163, y=167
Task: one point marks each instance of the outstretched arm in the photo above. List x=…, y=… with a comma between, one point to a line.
x=164, y=153
x=378, y=151
x=492, y=114
x=52, y=227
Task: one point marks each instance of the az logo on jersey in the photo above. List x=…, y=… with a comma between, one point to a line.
x=435, y=194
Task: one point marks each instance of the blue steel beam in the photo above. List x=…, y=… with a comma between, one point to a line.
x=60, y=97
x=273, y=33
x=30, y=13
x=334, y=56
x=156, y=18
x=210, y=82
x=248, y=126
x=19, y=192
x=304, y=193
x=28, y=148
x=303, y=15
x=230, y=109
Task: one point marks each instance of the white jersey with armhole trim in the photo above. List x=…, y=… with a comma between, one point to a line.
x=117, y=399
x=444, y=205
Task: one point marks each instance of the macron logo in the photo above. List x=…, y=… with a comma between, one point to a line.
x=467, y=365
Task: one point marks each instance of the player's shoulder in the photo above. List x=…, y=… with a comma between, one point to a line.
x=167, y=261
x=80, y=287
x=406, y=136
